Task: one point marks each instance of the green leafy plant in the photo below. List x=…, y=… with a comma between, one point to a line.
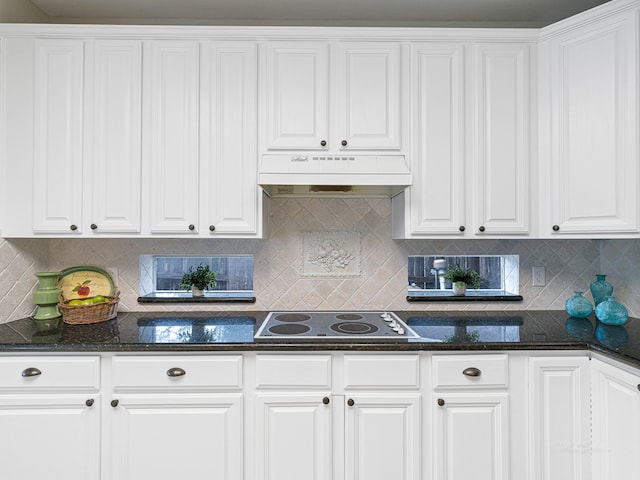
x=202, y=277
x=469, y=277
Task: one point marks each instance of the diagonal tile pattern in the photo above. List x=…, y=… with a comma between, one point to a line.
x=279, y=285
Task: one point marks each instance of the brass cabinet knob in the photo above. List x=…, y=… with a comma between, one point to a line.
x=350, y=402
x=114, y=403
x=441, y=402
x=326, y=400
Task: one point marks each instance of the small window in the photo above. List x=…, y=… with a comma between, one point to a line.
x=160, y=275
x=499, y=275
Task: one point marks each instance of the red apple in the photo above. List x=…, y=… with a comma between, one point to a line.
x=84, y=290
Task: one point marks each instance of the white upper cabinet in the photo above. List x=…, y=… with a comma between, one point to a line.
x=297, y=78
x=228, y=160
x=589, y=127
x=113, y=109
x=437, y=196
x=470, y=141
x=57, y=136
x=171, y=127
x=332, y=96
x=500, y=151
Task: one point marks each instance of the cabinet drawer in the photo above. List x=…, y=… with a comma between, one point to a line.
x=306, y=371
x=51, y=373
x=488, y=371
x=381, y=371
x=177, y=372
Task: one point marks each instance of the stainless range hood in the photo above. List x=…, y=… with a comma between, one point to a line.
x=348, y=175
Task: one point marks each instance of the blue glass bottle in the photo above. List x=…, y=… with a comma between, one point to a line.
x=612, y=312
x=578, y=306
x=600, y=289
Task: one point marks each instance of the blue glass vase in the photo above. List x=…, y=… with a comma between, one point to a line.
x=578, y=306
x=600, y=289
x=612, y=312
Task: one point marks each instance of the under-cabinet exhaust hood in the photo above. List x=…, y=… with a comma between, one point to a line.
x=348, y=175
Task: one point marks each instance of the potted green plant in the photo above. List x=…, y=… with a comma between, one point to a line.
x=198, y=280
x=461, y=278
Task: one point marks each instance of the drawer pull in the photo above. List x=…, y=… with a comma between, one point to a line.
x=89, y=402
x=176, y=372
x=326, y=400
x=31, y=372
x=472, y=372
x=441, y=402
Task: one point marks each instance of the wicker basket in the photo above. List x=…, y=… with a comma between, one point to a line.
x=87, y=314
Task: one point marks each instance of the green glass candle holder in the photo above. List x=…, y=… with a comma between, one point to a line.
x=46, y=298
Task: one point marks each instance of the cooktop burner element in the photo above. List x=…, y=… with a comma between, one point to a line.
x=334, y=326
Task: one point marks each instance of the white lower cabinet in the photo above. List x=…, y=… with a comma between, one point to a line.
x=175, y=417
x=560, y=418
x=382, y=436
x=616, y=421
x=50, y=418
x=471, y=420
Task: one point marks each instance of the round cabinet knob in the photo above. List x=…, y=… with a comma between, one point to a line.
x=73, y=228
x=343, y=143
x=192, y=227
x=481, y=228
x=114, y=403
x=350, y=402
x=89, y=402
x=472, y=372
x=323, y=143
x=639, y=387
x=461, y=228
x=212, y=228
x=94, y=226
x=31, y=372
x=441, y=402
x=176, y=372
x=326, y=400
x=556, y=228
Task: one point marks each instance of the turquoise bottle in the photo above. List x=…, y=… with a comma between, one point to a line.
x=578, y=306
x=600, y=289
x=612, y=312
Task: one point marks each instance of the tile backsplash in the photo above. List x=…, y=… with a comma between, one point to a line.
x=280, y=280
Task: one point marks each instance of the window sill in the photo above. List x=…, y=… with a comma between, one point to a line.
x=185, y=298
x=471, y=296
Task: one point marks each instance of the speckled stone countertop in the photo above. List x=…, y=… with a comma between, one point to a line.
x=233, y=331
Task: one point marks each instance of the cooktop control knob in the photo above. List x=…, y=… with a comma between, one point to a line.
x=386, y=317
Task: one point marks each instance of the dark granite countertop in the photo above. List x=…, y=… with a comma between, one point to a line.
x=233, y=331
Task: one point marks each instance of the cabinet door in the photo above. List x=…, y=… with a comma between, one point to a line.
x=437, y=195
x=50, y=436
x=57, y=164
x=164, y=437
x=382, y=437
x=560, y=421
x=499, y=154
x=297, y=95
x=171, y=125
x=228, y=135
x=293, y=436
x=594, y=149
x=368, y=97
x=113, y=135
x=616, y=422
x=471, y=436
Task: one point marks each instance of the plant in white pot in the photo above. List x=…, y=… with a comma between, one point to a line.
x=198, y=280
x=461, y=279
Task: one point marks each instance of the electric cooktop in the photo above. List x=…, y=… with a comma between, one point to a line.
x=376, y=326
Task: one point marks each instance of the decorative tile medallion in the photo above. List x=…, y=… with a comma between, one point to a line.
x=331, y=254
